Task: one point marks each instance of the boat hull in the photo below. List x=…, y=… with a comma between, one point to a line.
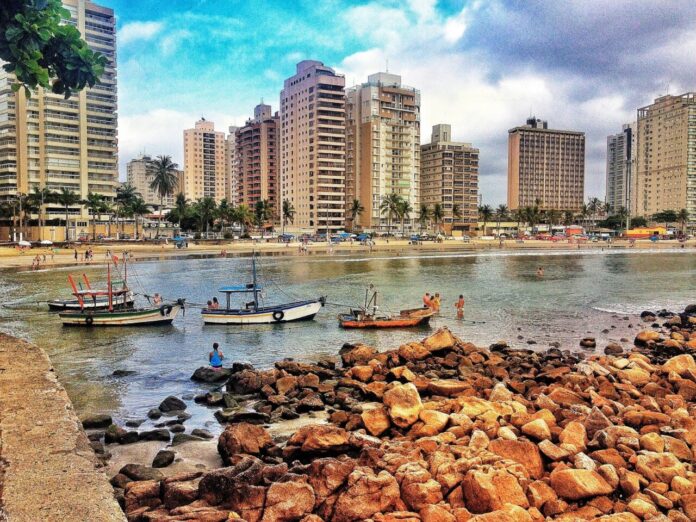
x=301, y=311
x=407, y=319
x=89, y=304
x=142, y=317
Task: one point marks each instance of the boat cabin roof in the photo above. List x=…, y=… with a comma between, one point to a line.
x=95, y=293
x=238, y=288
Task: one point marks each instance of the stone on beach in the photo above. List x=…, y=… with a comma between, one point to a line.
x=171, y=404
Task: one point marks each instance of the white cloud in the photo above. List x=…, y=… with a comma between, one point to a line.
x=135, y=31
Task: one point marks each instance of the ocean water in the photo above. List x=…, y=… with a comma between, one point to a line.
x=582, y=293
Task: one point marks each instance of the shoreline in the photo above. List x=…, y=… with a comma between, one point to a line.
x=9, y=258
x=441, y=430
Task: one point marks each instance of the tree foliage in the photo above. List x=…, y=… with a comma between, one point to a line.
x=41, y=50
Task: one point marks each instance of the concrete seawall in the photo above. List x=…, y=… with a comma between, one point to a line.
x=48, y=470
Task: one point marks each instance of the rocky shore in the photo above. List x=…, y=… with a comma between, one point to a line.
x=440, y=430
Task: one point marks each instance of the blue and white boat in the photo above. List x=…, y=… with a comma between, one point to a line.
x=252, y=312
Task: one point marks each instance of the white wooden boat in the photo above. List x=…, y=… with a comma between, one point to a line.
x=165, y=314
x=253, y=313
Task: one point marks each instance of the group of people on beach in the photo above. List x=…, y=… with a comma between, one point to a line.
x=434, y=302
x=86, y=256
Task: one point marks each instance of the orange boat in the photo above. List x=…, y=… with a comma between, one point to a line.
x=405, y=319
x=364, y=318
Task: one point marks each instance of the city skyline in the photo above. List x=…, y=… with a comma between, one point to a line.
x=475, y=64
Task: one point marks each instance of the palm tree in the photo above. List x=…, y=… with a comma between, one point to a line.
x=244, y=216
x=404, y=210
x=438, y=215
x=683, y=218
x=501, y=213
x=67, y=198
x=622, y=214
x=553, y=216
x=356, y=209
x=138, y=208
x=165, y=179
x=390, y=207
x=262, y=213
x=206, y=208
x=125, y=194
x=485, y=214
x=224, y=213
x=39, y=197
x=180, y=207
x=584, y=212
x=288, y=213
x=423, y=215
x=93, y=204
x=567, y=217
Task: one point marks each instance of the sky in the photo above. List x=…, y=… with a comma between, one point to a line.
x=482, y=66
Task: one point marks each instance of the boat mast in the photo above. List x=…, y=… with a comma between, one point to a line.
x=108, y=283
x=256, y=291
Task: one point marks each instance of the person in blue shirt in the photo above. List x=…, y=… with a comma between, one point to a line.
x=216, y=356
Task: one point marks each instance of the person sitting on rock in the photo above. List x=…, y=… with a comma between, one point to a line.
x=216, y=356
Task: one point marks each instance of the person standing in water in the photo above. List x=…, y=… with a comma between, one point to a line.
x=540, y=271
x=427, y=302
x=436, y=303
x=216, y=356
x=459, y=305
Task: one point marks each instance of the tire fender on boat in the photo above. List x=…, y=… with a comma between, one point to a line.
x=89, y=320
x=165, y=310
x=278, y=315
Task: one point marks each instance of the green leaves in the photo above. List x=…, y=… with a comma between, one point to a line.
x=42, y=51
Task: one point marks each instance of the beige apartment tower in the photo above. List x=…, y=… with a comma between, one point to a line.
x=449, y=176
x=204, y=162
x=312, y=148
x=257, y=160
x=665, y=173
x=231, y=165
x=49, y=142
x=382, y=148
x=547, y=166
x=621, y=159
x=140, y=172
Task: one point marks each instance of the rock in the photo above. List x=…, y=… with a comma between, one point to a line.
x=366, y=494
x=238, y=487
x=312, y=402
x=288, y=501
x=232, y=416
x=177, y=428
x=645, y=337
x=413, y=352
x=138, y=472
x=490, y=489
x=159, y=434
x=576, y=484
x=537, y=429
x=588, y=342
x=114, y=434
x=403, y=403
x=319, y=439
x=680, y=364
x=613, y=349
x=659, y=467
x=442, y=339
x=154, y=414
x=95, y=422
x=203, y=434
x=211, y=375
x=141, y=494
x=522, y=451
x=245, y=382
x=641, y=508
x=574, y=433
x=180, y=438
x=172, y=403
x=243, y=438
x=286, y=384
x=163, y=459
x=376, y=421
x=356, y=354
x=448, y=387
x=434, y=513
x=123, y=373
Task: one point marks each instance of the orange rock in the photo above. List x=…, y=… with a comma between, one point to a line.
x=376, y=421
x=490, y=489
x=522, y=451
x=404, y=404
x=576, y=484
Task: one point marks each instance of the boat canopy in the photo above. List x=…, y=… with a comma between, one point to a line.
x=238, y=288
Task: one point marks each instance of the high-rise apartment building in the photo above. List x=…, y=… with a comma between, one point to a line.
x=231, y=165
x=204, y=162
x=547, y=166
x=139, y=174
x=449, y=176
x=48, y=141
x=665, y=173
x=312, y=147
x=382, y=147
x=621, y=157
x=257, y=160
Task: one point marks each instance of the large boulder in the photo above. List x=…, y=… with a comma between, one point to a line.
x=320, y=438
x=95, y=422
x=576, y=484
x=448, y=387
x=442, y=339
x=365, y=495
x=352, y=354
x=163, y=459
x=376, y=421
x=413, y=352
x=522, y=451
x=403, y=403
x=680, y=364
x=238, y=487
x=139, y=472
x=211, y=375
x=489, y=489
x=288, y=501
x=172, y=403
x=659, y=467
x=243, y=438
x=327, y=475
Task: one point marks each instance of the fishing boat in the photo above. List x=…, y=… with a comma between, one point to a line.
x=93, y=303
x=368, y=316
x=253, y=313
x=114, y=316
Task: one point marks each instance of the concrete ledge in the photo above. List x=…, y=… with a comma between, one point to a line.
x=50, y=471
